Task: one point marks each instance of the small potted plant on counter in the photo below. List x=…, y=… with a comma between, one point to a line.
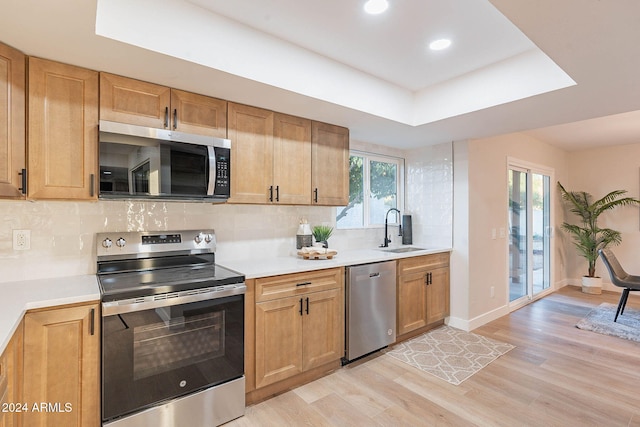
x=587, y=236
x=321, y=234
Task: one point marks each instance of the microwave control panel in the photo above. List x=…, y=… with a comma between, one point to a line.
x=223, y=166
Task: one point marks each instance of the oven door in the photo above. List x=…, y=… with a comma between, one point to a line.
x=159, y=350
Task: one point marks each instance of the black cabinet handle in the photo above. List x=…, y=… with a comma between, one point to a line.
x=92, y=185
x=277, y=193
x=303, y=284
x=92, y=321
x=166, y=117
x=300, y=306
x=428, y=279
x=307, y=305
x=315, y=195
x=175, y=118
x=271, y=193
x=23, y=175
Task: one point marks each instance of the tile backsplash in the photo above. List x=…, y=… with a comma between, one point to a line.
x=63, y=233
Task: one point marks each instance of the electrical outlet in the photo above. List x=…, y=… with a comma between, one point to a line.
x=21, y=240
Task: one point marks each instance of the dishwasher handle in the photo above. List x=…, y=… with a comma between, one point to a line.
x=376, y=274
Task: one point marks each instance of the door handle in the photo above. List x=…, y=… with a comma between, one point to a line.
x=92, y=185
x=166, y=117
x=92, y=321
x=277, y=193
x=307, y=305
x=271, y=193
x=300, y=306
x=315, y=195
x=23, y=175
x=175, y=118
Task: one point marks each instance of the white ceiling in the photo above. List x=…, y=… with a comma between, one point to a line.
x=373, y=74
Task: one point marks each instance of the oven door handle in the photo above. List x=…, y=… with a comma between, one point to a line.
x=111, y=308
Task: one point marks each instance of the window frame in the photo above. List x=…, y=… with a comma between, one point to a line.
x=400, y=178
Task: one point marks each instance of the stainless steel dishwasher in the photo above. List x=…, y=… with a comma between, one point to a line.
x=370, y=308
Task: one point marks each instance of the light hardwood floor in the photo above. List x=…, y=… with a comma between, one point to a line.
x=557, y=375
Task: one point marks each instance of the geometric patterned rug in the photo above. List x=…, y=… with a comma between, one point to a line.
x=449, y=353
x=600, y=320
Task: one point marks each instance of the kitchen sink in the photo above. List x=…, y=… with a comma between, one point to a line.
x=403, y=249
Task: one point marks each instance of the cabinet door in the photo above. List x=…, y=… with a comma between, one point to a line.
x=198, y=114
x=11, y=374
x=292, y=160
x=63, y=131
x=12, y=121
x=133, y=101
x=323, y=328
x=412, y=302
x=61, y=366
x=278, y=340
x=251, y=135
x=438, y=295
x=330, y=164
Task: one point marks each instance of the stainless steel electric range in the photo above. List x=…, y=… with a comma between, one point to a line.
x=172, y=330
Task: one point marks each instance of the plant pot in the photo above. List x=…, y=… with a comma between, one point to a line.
x=592, y=285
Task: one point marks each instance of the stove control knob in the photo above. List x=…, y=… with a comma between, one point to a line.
x=121, y=242
x=106, y=243
x=198, y=238
x=208, y=238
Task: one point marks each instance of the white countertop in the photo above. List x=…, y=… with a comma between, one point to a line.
x=256, y=267
x=18, y=297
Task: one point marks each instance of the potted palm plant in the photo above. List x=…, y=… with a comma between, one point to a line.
x=587, y=236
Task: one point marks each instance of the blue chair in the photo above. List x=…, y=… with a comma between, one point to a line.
x=620, y=278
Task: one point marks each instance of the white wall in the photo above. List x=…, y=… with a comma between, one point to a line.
x=599, y=171
x=481, y=201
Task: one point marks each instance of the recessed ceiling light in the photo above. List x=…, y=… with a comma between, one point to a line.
x=440, y=44
x=375, y=7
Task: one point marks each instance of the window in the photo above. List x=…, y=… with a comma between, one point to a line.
x=375, y=186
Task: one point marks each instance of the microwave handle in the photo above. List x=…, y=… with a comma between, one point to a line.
x=213, y=171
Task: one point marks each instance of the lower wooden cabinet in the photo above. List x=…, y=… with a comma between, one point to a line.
x=299, y=324
x=423, y=291
x=11, y=373
x=62, y=366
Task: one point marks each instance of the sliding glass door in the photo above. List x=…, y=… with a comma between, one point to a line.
x=530, y=232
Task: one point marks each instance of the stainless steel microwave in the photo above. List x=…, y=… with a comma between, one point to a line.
x=138, y=162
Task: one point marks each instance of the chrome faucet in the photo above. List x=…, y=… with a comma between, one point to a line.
x=387, y=237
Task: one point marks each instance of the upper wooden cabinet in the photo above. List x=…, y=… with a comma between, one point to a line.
x=251, y=135
x=141, y=103
x=12, y=122
x=292, y=160
x=63, y=131
x=270, y=156
x=278, y=158
x=330, y=164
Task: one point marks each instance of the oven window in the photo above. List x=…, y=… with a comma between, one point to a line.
x=153, y=355
x=176, y=342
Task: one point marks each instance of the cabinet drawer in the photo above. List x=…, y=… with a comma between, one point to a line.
x=425, y=262
x=269, y=288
